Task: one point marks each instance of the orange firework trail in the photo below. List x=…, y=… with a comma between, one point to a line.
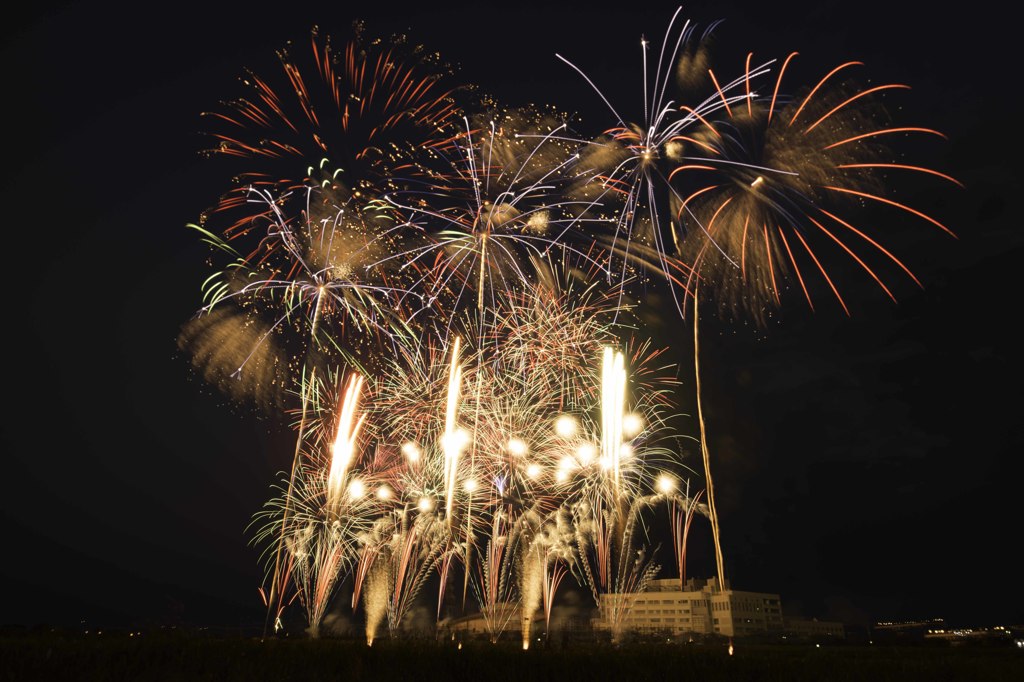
x=769, y=196
x=344, y=120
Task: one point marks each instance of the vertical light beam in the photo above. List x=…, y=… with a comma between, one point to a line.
x=613, y=400
x=451, y=444
x=344, y=447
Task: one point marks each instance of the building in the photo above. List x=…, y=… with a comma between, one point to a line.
x=696, y=607
x=665, y=608
x=799, y=628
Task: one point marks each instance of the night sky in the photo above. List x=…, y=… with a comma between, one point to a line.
x=868, y=468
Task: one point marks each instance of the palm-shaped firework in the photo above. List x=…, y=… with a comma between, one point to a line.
x=771, y=182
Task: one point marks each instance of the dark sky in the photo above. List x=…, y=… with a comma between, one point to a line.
x=869, y=467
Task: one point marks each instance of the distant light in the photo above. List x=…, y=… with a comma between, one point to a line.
x=632, y=425
x=383, y=493
x=456, y=440
x=356, y=489
x=533, y=470
x=565, y=426
x=586, y=453
x=469, y=485
x=665, y=484
x=757, y=181
x=411, y=451
x=517, y=447
x=425, y=504
x=626, y=451
x=561, y=476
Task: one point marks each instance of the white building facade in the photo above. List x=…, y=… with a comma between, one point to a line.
x=695, y=607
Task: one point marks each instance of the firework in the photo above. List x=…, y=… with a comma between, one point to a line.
x=631, y=162
x=681, y=516
x=492, y=202
x=443, y=301
x=344, y=120
x=343, y=451
x=543, y=564
x=406, y=547
x=769, y=184
x=306, y=297
x=302, y=284
x=493, y=581
x=337, y=489
x=453, y=440
x=755, y=191
x=611, y=565
x=507, y=461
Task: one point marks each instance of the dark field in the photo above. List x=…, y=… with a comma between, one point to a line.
x=186, y=657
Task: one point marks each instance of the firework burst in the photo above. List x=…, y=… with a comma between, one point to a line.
x=491, y=202
x=343, y=119
x=770, y=184
x=630, y=163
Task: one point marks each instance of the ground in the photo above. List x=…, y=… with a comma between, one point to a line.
x=167, y=656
